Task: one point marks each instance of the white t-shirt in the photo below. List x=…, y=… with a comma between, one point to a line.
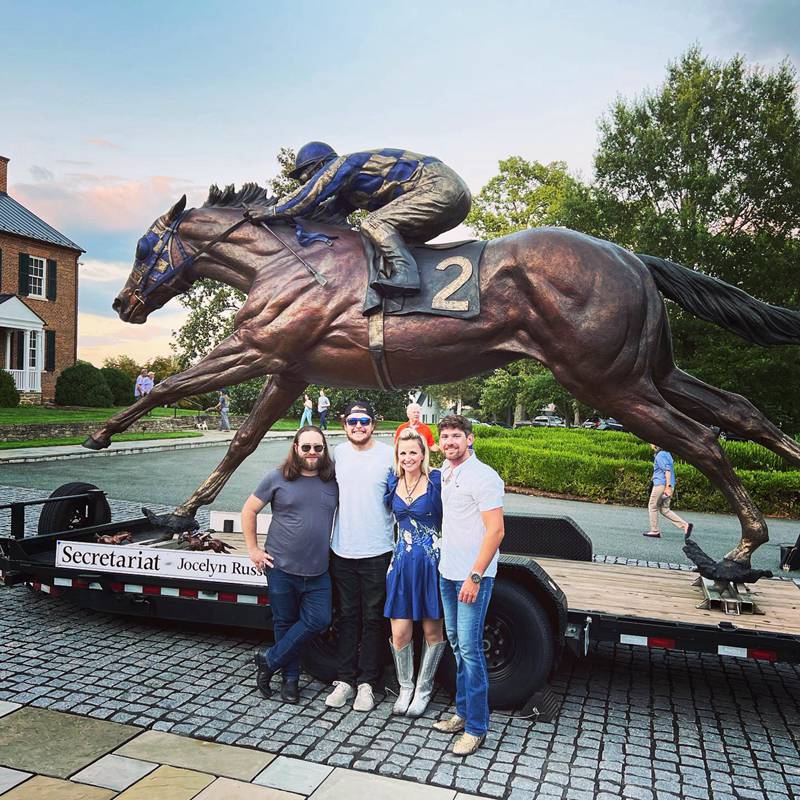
x=467, y=490
x=323, y=403
x=364, y=527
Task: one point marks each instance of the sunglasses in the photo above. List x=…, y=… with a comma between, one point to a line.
x=307, y=448
x=353, y=421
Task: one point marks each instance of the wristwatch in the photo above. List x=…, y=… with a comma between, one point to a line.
x=476, y=578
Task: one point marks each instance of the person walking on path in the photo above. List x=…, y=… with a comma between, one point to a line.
x=138, y=387
x=323, y=404
x=223, y=406
x=472, y=529
x=413, y=493
x=414, y=414
x=308, y=406
x=661, y=495
x=303, y=495
x=362, y=544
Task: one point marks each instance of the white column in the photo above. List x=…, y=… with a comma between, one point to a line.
x=9, y=332
x=26, y=371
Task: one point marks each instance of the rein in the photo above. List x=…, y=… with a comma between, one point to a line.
x=169, y=271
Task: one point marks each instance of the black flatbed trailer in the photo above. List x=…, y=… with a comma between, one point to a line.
x=549, y=595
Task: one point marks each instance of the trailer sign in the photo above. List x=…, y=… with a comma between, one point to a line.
x=158, y=562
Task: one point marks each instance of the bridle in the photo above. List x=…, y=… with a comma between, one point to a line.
x=153, y=256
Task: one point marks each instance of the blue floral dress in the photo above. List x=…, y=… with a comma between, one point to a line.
x=412, y=581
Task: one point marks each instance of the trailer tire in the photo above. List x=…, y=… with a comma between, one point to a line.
x=518, y=644
x=70, y=514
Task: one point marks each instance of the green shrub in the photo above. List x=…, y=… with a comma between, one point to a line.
x=83, y=385
x=244, y=395
x=121, y=385
x=9, y=396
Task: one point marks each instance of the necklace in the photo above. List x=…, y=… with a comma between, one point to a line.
x=410, y=492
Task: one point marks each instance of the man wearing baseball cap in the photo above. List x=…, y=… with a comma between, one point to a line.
x=362, y=546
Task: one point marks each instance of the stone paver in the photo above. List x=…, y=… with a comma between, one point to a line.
x=227, y=789
x=349, y=783
x=41, y=787
x=181, y=751
x=114, y=772
x=168, y=783
x=29, y=735
x=7, y=708
x=9, y=778
x=293, y=775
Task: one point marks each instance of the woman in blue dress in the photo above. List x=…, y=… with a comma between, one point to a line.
x=412, y=582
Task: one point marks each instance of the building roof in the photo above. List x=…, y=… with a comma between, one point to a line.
x=15, y=218
x=15, y=314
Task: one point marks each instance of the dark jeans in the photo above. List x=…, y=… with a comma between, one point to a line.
x=301, y=609
x=361, y=594
x=323, y=419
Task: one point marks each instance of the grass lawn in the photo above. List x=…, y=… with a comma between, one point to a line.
x=122, y=437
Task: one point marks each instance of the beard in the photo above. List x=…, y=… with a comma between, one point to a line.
x=310, y=464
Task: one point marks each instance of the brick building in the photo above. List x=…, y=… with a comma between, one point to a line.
x=38, y=298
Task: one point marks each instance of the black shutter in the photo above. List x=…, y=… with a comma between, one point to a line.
x=49, y=351
x=20, y=349
x=51, y=279
x=24, y=277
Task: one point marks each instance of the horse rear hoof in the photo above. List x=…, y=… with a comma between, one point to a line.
x=94, y=444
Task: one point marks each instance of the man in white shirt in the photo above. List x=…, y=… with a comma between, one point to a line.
x=137, y=389
x=472, y=529
x=362, y=544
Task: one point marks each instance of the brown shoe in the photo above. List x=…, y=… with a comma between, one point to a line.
x=467, y=744
x=452, y=725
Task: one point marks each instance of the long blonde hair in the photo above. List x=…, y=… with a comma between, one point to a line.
x=408, y=435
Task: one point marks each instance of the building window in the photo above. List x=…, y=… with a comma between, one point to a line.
x=33, y=349
x=36, y=276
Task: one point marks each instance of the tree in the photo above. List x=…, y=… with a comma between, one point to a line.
x=121, y=385
x=705, y=171
x=124, y=364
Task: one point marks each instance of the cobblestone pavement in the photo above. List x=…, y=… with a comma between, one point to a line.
x=634, y=723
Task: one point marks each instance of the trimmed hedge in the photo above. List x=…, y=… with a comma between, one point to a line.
x=83, y=385
x=121, y=385
x=525, y=461
x=9, y=396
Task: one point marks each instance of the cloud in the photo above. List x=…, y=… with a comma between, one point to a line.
x=83, y=202
x=766, y=29
x=100, y=337
x=41, y=174
x=95, y=270
x=70, y=163
x=104, y=143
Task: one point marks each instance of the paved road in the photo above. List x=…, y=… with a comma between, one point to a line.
x=168, y=477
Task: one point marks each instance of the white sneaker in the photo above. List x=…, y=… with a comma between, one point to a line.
x=365, y=700
x=341, y=693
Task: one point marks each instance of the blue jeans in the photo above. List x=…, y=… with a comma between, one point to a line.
x=224, y=422
x=464, y=625
x=323, y=419
x=305, y=417
x=301, y=609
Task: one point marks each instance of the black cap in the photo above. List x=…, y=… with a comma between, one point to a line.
x=359, y=407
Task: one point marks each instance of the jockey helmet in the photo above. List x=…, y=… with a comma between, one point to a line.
x=311, y=154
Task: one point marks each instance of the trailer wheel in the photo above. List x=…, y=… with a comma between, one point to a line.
x=518, y=645
x=70, y=514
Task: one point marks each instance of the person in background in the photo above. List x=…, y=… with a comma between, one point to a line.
x=308, y=406
x=303, y=495
x=362, y=544
x=661, y=495
x=414, y=414
x=148, y=382
x=223, y=406
x=323, y=404
x=413, y=493
x=140, y=379
x=472, y=529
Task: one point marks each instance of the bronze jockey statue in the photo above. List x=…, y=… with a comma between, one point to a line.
x=411, y=198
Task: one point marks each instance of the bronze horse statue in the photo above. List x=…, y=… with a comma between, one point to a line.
x=589, y=310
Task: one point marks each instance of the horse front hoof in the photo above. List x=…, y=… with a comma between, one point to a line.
x=176, y=523
x=96, y=444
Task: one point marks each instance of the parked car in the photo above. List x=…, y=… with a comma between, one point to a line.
x=548, y=421
x=600, y=424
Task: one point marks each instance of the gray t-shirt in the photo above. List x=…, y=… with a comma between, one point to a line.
x=299, y=535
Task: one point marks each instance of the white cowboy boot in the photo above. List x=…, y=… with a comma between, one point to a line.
x=404, y=666
x=431, y=656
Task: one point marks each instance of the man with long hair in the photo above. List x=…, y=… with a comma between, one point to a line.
x=303, y=495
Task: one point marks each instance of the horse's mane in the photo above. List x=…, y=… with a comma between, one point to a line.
x=250, y=194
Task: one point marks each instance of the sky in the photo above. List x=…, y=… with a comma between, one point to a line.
x=110, y=111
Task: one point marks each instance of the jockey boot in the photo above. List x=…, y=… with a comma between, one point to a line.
x=403, y=279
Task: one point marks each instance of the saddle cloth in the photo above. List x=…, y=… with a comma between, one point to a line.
x=449, y=278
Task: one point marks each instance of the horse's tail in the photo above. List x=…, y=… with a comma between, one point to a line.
x=716, y=301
